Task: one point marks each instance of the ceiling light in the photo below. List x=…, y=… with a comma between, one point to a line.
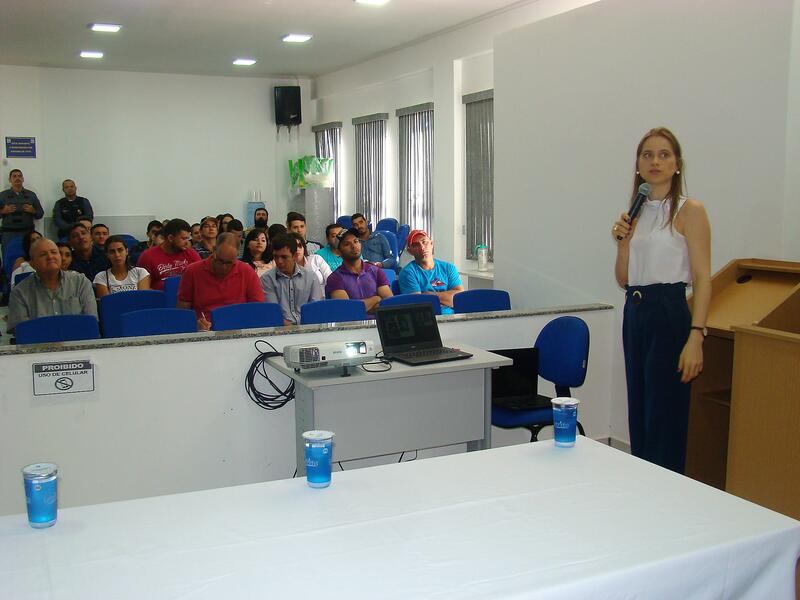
x=91, y=54
x=105, y=27
x=296, y=38
x=244, y=62
x=372, y=2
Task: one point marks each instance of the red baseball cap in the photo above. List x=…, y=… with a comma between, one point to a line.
x=414, y=236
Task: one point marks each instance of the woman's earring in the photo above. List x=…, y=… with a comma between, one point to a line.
x=677, y=172
x=637, y=172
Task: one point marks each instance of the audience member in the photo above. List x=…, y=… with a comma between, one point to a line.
x=172, y=256
x=121, y=276
x=296, y=223
x=100, y=234
x=330, y=253
x=288, y=284
x=86, y=257
x=22, y=265
x=236, y=228
x=49, y=291
x=70, y=208
x=313, y=263
x=374, y=247
x=222, y=222
x=261, y=218
x=429, y=275
x=257, y=252
x=153, y=239
x=356, y=278
x=275, y=230
x=18, y=209
x=66, y=255
x=219, y=280
x=196, y=236
x=86, y=222
x=208, y=237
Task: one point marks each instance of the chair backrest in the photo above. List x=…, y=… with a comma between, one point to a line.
x=332, y=311
x=387, y=224
x=130, y=241
x=113, y=306
x=396, y=287
x=402, y=236
x=391, y=275
x=481, y=301
x=19, y=277
x=247, y=315
x=11, y=253
x=171, y=285
x=58, y=328
x=391, y=237
x=158, y=321
x=345, y=221
x=563, y=346
x=414, y=299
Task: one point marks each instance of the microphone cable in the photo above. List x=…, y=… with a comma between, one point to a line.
x=259, y=369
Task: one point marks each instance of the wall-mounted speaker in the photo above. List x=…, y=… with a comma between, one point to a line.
x=287, y=105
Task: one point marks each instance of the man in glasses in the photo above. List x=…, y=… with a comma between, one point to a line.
x=219, y=280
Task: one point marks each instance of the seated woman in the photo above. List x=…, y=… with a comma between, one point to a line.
x=121, y=277
x=257, y=252
x=314, y=263
x=21, y=265
x=66, y=255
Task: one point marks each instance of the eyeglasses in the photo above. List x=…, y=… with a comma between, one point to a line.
x=224, y=263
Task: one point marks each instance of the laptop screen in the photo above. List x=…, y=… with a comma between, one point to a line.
x=407, y=327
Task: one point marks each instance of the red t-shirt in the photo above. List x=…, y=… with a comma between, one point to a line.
x=205, y=291
x=161, y=265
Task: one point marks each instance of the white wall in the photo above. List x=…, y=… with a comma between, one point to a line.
x=142, y=143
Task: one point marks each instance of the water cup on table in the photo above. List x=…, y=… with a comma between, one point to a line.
x=319, y=457
x=565, y=419
x=41, y=493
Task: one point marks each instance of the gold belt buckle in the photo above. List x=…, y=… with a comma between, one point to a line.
x=636, y=296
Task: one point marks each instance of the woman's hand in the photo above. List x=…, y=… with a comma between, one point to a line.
x=623, y=229
x=690, y=363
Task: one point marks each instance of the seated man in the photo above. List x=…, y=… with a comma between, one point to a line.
x=219, y=280
x=86, y=257
x=208, y=237
x=289, y=284
x=296, y=223
x=153, y=238
x=70, y=208
x=49, y=291
x=330, y=253
x=375, y=247
x=100, y=234
x=172, y=256
x=428, y=275
x=356, y=278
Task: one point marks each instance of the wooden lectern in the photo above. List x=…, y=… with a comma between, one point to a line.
x=744, y=416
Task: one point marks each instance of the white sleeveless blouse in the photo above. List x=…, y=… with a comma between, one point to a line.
x=658, y=253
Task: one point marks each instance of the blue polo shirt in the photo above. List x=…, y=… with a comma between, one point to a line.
x=442, y=277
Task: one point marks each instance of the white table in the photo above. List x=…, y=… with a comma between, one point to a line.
x=405, y=408
x=527, y=521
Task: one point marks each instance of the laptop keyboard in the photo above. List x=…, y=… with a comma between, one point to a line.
x=427, y=353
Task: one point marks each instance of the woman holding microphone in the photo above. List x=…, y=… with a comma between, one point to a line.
x=666, y=247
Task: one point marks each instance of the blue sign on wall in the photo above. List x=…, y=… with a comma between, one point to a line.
x=20, y=147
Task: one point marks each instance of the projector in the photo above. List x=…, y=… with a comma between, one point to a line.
x=329, y=354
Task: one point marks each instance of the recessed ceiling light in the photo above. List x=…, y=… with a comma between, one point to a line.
x=91, y=54
x=373, y=2
x=105, y=27
x=296, y=38
x=244, y=62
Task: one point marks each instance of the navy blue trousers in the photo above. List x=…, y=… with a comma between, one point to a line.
x=655, y=329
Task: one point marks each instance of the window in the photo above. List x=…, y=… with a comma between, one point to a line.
x=370, y=134
x=416, y=166
x=328, y=139
x=479, y=170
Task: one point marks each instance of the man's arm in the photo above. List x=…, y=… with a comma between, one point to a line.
x=339, y=295
x=389, y=260
x=17, y=309
x=38, y=211
x=253, y=293
x=269, y=290
x=372, y=303
x=317, y=292
x=86, y=296
x=446, y=297
x=61, y=224
x=87, y=208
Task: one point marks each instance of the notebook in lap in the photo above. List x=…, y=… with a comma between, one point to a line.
x=409, y=334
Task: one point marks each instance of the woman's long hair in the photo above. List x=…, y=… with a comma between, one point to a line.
x=676, y=186
x=27, y=242
x=247, y=256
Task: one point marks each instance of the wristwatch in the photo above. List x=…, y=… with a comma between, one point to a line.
x=702, y=330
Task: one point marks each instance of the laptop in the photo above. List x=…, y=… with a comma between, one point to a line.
x=516, y=387
x=409, y=334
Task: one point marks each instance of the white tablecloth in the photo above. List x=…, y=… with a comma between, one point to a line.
x=528, y=521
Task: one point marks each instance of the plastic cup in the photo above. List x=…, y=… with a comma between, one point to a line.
x=565, y=419
x=41, y=494
x=319, y=457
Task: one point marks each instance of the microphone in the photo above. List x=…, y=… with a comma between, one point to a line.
x=641, y=196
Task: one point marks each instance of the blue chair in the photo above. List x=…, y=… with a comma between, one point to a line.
x=395, y=287
x=402, y=236
x=392, y=239
x=247, y=315
x=388, y=224
x=158, y=321
x=113, y=306
x=481, y=301
x=20, y=277
x=563, y=354
x=391, y=275
x=58, y=328
x=171, y=285
x=11, y=253
x=414, y=299
x=333, y=311
x=130, y=241
x=345, y=221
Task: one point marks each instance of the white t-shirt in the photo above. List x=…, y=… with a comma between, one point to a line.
x=319, y=267
x=114, y=285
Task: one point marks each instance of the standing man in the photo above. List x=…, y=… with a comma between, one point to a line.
x=428, y=275
x=330, y=253
x=357, y=279
x=296, y=223
x=208, y=237
x=172, y=256
x=69, y=209
x=86, y=257
x=19, y=208
x=289, y=284
x=219, y=280
x=375, y=247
